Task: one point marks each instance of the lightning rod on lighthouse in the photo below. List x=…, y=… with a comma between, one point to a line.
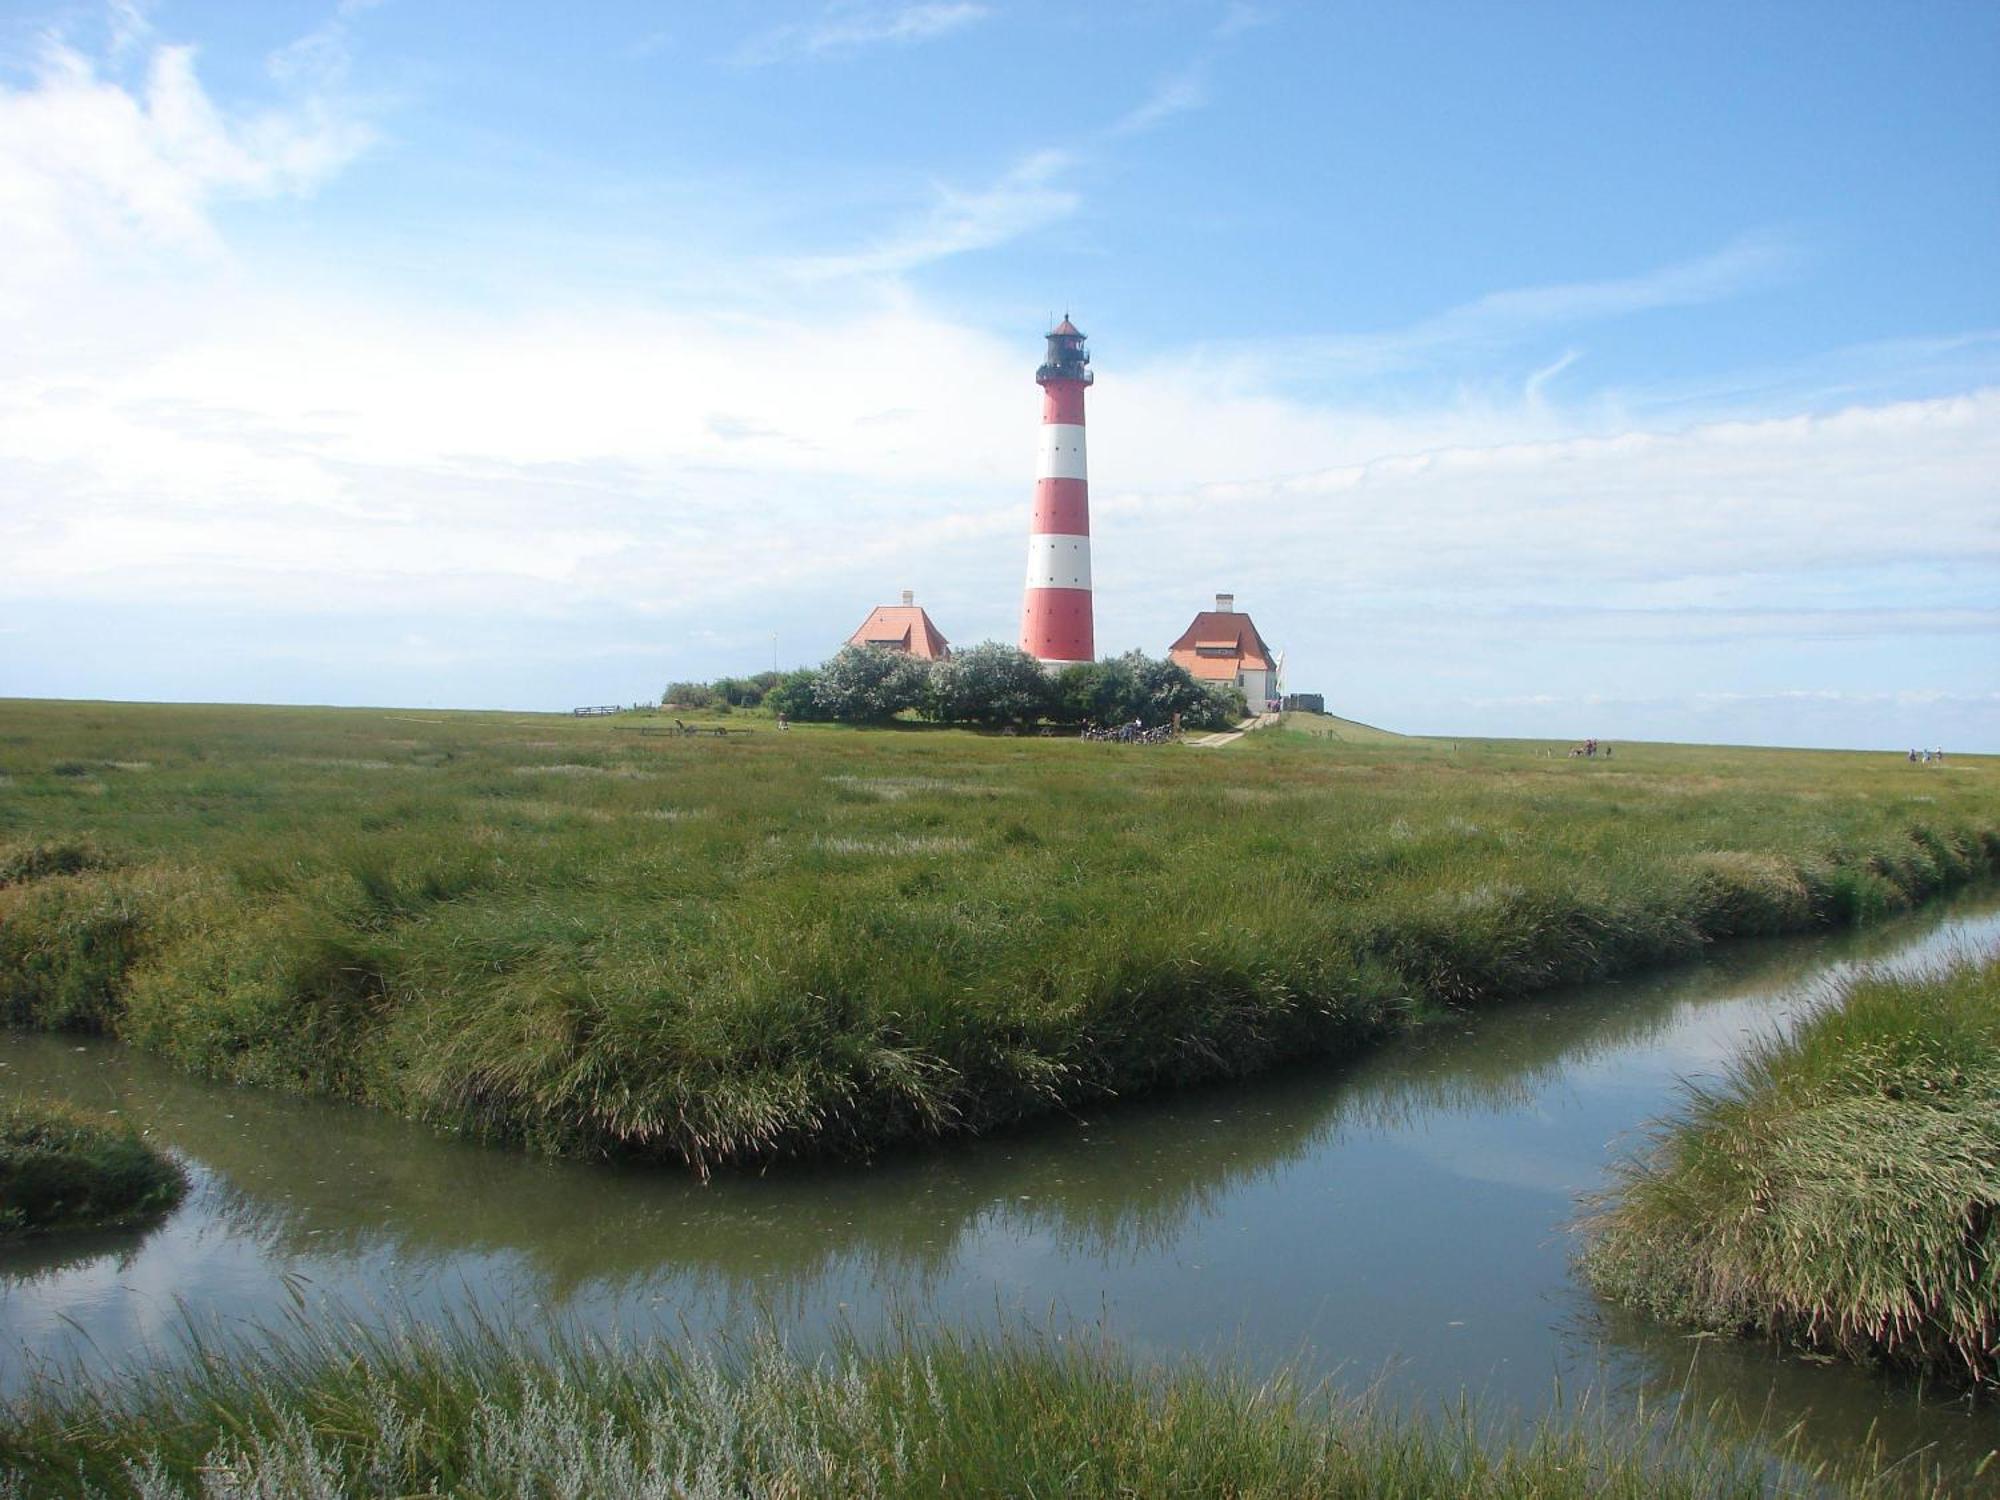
x=1056, y=626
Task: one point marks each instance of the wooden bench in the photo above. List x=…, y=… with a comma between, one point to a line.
x=680, y=730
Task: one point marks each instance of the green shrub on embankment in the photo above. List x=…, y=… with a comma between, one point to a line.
x=571, y=934
x=65, y=1168
x=415, y=1413
x=1841, y=1192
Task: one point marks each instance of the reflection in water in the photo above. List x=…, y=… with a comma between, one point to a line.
x=38, y=1258
x=1745, y=1390
x=1403, y=1213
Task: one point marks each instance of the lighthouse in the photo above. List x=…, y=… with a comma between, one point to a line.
x=1055, y=612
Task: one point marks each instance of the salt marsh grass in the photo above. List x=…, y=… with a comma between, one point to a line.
x=1841, y=1191
x=576, y=937
x=340, y=1411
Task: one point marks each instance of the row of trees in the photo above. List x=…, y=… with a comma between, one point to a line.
x=989, y=684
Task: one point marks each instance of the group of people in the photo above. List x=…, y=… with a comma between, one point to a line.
x=1927, y=757
x=1590, y=748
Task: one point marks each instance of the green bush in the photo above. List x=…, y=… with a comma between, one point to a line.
x=688, y=695
x=793, y=696
x=869, y=685
x=1149, y=689
x=989, y=684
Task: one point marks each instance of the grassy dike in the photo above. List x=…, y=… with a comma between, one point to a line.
x=63, y=1168
x=583, y=938
x=1841, y=1192
x=473, y=1414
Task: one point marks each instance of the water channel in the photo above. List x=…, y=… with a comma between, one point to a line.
x=1398, y=1222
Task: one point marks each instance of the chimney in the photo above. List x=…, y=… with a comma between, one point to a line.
x=909, y=597
x=1225, y=604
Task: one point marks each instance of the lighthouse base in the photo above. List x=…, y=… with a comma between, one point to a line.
x=1056, y=626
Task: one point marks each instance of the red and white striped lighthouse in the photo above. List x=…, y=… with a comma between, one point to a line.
x=1055, y=614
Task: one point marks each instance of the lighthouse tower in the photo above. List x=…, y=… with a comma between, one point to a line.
x=1055, y=613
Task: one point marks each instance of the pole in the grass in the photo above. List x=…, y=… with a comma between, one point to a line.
x=1056, y=626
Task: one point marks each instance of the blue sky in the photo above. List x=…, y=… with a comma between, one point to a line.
x=1545, y=369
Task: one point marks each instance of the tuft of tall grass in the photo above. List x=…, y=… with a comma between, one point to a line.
x=22, y=862
x=65, y=1168
x=346, y=1412
x=1841, y=1190
x=69, y=941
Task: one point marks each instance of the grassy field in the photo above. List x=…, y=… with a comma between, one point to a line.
x=581, y=937
x=1328, y=726
x=472, y=1413
x=64, y=1168
x=1841, y=1192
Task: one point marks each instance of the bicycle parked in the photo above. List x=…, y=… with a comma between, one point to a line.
x=1132, y=733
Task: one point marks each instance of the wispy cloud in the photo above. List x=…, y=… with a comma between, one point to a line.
x=1881, y=369
x=847, y=28
x=1692, y=623
x=127, y=25
x=1239, y=17
x=1028, y=195
x=1505, y=317
x=1749, y=262
x=1033, y=192
x=1175, y=95
x=1535, y=391
x=323, y=54
x=651, y=44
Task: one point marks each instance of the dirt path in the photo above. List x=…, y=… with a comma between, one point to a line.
x=1230, y=737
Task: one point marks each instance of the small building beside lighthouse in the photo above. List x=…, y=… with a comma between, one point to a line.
x=904, y=627
x=1225, y=646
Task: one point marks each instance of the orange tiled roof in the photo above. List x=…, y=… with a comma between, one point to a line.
x=1214, y=630
x=902, y=627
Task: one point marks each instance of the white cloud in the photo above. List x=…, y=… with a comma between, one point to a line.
x=751, y=475
x=1807, y=513
x=95, y=173
x=846, y=28
x=593, y=448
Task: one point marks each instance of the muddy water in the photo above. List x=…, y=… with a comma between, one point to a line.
x=1398, y=1222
